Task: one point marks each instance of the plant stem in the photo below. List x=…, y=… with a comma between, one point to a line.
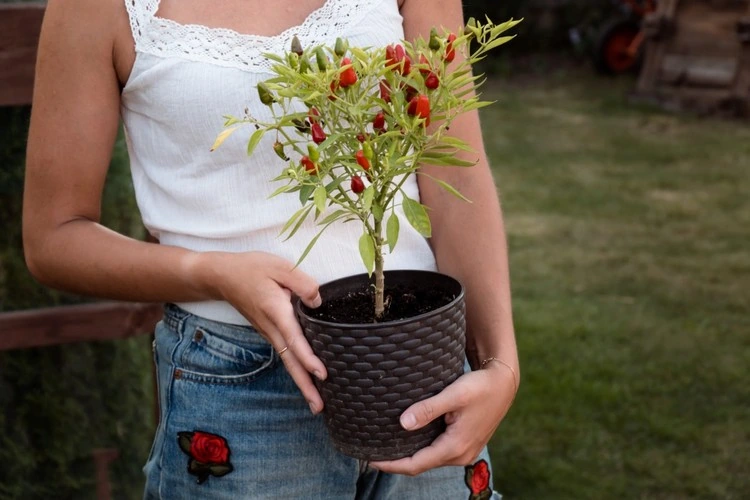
x=379, y=277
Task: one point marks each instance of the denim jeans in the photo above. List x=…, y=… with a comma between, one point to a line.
x=225, y=380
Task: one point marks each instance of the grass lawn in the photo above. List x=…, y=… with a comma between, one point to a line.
x=629, y=233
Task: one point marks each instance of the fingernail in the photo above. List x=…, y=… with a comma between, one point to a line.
x=312, y=408
x=318, y=374
x=317, y=301
x=408, y=421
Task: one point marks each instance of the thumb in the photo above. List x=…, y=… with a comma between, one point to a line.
x=422, y=413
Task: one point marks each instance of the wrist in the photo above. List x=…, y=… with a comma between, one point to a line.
x=499, y=363
x=202, y=271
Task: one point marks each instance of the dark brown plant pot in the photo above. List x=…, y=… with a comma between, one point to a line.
x=377, y=370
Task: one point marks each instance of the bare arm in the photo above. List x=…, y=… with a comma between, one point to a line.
x=477, y=402
x=73, y=127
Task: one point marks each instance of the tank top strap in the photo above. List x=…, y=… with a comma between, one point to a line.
x=140, y=13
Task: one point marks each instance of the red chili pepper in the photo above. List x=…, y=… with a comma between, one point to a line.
x=400, y=52
x=385, y=91
x=390, y=56
x=431, y=81
x=397, y=55
x=450, y=52
x=348, y=76
x=318, y=135
x=357, y=184
x=361, y=137
x=406, y=68
x=309, y=165
x=378, y=123
x=361, y=160
x=420, y=106
x=313, y=115
x=423, y=61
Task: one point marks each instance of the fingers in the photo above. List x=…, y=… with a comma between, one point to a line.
x=453, y=397
x=300, y=283
x=302, y=378
x=286, y=324
x=451, y=448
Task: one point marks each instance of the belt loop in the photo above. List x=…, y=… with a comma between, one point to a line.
x=175, y=317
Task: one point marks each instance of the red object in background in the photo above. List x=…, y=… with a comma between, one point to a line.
x=618, y=49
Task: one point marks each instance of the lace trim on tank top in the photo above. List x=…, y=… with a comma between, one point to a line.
x=167, y=38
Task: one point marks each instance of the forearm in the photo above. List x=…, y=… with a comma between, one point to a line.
x=84, y=257
x=469, y=243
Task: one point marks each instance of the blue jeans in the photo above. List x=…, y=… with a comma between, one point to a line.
x=225, y=396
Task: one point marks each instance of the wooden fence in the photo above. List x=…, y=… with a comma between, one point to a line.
x=19, y=35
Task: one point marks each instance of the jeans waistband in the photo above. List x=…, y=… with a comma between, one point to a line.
x=174, y=316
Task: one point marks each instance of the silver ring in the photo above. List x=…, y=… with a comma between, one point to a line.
x=283, y=350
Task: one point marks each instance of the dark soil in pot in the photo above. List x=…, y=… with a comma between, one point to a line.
x=404, y=300
x=377, y=370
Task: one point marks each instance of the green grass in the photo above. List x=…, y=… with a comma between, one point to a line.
x=629, y=231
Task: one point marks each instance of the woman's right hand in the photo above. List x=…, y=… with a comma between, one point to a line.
x=260, y=286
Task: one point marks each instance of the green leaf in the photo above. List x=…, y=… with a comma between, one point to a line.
x=305, y=192
x=456, y=143
x=333, y=216
x=230, y=120
x=447, y=187
x=184, y=439
x=293, y=219
x=320, y=198
x=367, y=252
x=300, y=219
x=311, y=245
x=391, y=231
x=254, y=140
x=417, y=216
x=219, y=470
x=442, y=160
x=367, y=197
x=283, y=189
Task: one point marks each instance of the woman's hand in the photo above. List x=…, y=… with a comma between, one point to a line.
x=474, y=405
x=260, y=286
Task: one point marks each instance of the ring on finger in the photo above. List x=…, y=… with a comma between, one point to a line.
x=285, y=349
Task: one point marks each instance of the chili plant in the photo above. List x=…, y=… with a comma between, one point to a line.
x=357, y=122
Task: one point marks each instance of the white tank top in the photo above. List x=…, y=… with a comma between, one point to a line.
x=184, y=79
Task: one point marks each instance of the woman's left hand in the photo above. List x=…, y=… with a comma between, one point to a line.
x=474, y=405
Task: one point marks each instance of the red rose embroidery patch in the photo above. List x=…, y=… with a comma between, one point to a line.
x=478, y=480
x=209, y=454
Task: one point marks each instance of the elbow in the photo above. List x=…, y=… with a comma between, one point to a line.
x=37, y=261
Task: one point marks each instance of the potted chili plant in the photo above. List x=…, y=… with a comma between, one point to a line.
x=351, y=125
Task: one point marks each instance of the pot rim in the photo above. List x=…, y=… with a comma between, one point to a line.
x=299, y=306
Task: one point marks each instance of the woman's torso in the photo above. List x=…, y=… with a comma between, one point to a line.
x=184, y=78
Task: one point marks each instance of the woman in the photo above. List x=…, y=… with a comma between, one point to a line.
x=237, y=394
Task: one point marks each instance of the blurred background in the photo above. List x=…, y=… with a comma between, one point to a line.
x=621, y=151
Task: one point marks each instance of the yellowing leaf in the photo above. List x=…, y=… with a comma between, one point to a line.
x=223, y=137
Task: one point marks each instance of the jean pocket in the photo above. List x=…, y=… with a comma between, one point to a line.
x=215, y=357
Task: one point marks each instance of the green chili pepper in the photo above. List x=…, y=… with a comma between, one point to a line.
x=266, y=97
x=340, y=47
x=313, y=152
x=278, y=148
x=434, y=40
x=321, y=59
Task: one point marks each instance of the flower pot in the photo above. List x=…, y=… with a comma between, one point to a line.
x=377, y=370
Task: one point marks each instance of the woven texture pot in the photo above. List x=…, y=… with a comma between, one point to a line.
x=377, y=370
